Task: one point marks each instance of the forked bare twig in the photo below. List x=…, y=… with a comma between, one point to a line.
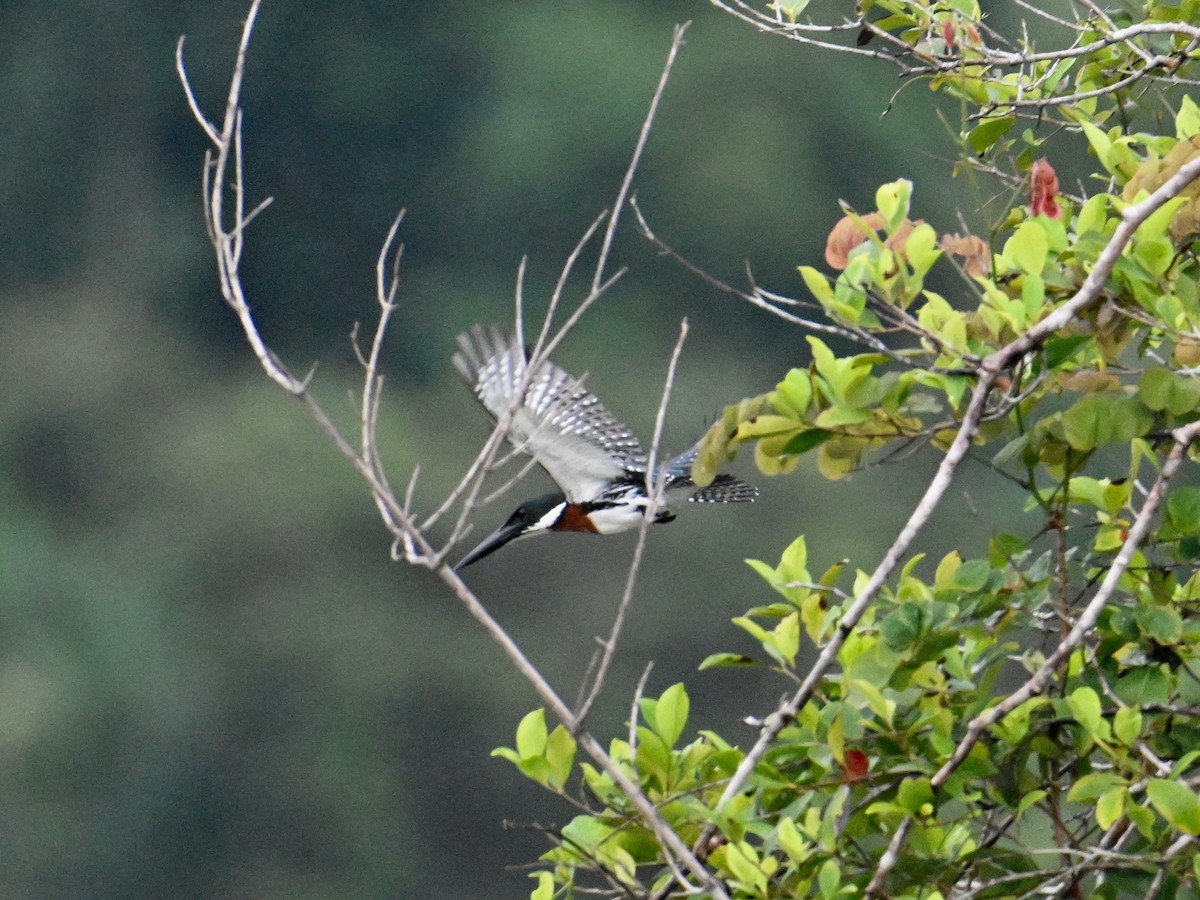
x=223, y=175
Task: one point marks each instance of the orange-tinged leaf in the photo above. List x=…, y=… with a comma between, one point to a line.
x=975, y=254
x=1044, y=190
x=845, y=236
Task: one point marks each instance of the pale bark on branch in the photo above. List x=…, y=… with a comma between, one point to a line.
x=226, y=219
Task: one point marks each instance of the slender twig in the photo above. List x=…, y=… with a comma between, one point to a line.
x=643, y=137
x=654, y=487
x=223, y=171
x=633, y=707
x=385, y=293
x=756, y=296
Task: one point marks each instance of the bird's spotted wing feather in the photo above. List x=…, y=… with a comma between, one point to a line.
x=723, y=489
x=558, y=422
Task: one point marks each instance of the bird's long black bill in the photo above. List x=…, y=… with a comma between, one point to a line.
x=490, y=544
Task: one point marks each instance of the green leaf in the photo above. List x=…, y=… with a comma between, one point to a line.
x=1092, y=216
x=1141, y=817
x=786, y=637
x=983, y=136
x=1094, y=785
x=671, y=714
x=1161, y=389
x=560, y=756
x=902, y=626
x=1177, y=803
x=1029, y=800
x=1187, y=121
x=1060, y=348
x=973, y=576
x=1142, y=686
x=653, y=756
x=764, y=426
x=1028, y=247
x=793, y=395
x=791, y=11
x=1127, y=726
x=792, y=842
x=1159, y=623
x=1111, y=806
x=818, y=285
x=1105, y=418
x=883, y=707
x=1101, y=143
x=1183, y=510
x=741, y=860
x=916, y=796
x=1085, y=707
x=793, y=562
x=892, y=201
x=726, y=660
x=806, y=440
x=752, y=628
x=1014, y=726
x=829, y=878
x=531, y=735
x=545, y=886
x=921, y=249
x=943, y=578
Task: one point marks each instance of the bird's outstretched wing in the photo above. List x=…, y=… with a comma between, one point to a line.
x=723, y=489
x=558, y=422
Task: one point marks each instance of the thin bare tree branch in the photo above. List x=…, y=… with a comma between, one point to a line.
x=643, y=137
x=654, y=488
x=223, y=172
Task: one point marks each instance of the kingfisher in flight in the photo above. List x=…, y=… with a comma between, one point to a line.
x=594, y=458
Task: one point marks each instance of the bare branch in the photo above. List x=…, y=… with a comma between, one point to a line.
x=643, y=137
x=654, y=488
x=633, y=708
x=223, y=171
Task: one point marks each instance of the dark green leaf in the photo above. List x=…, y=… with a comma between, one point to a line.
x=972, y=575
x=986, y=133
x=1161, y=389
x=1105, y=418
x=902, y=626
x=1142, y=685
x=1183, y=510
x=806, y=440
x=1160, y=623
x=1059, y=349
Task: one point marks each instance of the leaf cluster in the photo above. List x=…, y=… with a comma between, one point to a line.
x=999, y=722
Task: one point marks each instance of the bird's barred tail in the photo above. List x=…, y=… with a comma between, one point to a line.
x=726, y=489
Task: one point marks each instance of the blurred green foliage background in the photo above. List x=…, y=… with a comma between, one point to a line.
x=213, y=681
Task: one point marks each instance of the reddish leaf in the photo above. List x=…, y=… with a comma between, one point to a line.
x=948, y=33
x=845, y=236
x=855, y=766
x=1044, y=190
x=974, y=252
